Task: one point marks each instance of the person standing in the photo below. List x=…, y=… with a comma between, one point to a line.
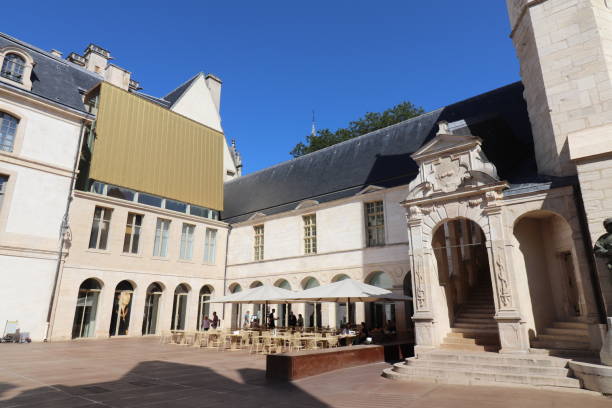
x=247, y=320
x=271, y=319
x=300, y=321
x=215, y=321
x=292, y=320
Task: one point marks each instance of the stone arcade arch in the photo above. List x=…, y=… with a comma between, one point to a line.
x=283, y=309
x=206, y=293
x=309, y=308
x=179, y=307
x=122, y=309
x=456, y=180
x=378, y=313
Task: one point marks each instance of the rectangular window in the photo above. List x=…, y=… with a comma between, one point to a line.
x=375, y=222
x=3, y=184
x=132, y=233
x=99, y=228
x=162, y=232
x=310, y=234
x=176, y=206
x=259, y=242
x=187, y=241
x=210, y=245
x=149, y=200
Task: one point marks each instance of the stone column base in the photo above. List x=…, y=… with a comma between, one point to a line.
x=513, y=336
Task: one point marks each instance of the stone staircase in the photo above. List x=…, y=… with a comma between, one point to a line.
x=465, y=367
x=564, y=338
x=474, y=328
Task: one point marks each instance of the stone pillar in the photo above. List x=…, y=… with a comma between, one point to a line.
x=513, y=334
x=360, y=315
x=191, y=314
x=105, y=308
x=137, y=311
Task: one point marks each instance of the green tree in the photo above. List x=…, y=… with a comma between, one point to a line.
x=370, y=122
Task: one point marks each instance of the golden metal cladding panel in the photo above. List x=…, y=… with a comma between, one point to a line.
x=145, y=147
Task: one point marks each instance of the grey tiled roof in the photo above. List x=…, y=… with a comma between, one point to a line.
x=53, y=78
x=173, y=96
x=382, y=157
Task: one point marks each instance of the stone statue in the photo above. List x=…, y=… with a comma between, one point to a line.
x=603, y=246
x=443, y=128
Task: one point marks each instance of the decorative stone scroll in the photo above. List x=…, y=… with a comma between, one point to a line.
x=501, y=276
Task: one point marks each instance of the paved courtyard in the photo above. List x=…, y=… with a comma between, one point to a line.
x=144, y=373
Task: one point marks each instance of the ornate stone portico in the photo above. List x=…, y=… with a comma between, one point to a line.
x=457, y=181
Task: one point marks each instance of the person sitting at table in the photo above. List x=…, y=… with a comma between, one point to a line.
x=300, y=321
x=363, y=333
x=271, y=319
x=345, y=330
x=205, y=323
x=247, y=320
x=215, y=321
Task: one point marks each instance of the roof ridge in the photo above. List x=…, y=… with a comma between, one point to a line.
x=344, y=142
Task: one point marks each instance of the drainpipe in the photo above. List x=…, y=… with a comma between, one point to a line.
x=64, y=230
x=229, y=229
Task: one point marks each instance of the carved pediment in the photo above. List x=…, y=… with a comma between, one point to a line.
x=369, y=189
x=306, y=204
x=257, y=215
x=449, y=163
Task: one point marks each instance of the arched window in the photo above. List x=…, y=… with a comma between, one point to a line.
x=8, y=129
x=122, y=308
x=152, y=303
x=379, y=313
x=203, y=306
x=179, y=308
x=84, y=324
x=309, y=308
x=13, y=67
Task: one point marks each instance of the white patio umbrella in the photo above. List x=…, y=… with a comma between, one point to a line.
x=347, y=291
x=263, y=294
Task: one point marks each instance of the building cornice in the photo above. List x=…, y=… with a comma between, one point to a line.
x=147, y=208
x=522, y=13
x=34, y=164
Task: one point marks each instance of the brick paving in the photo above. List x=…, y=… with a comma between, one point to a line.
x=143, y=373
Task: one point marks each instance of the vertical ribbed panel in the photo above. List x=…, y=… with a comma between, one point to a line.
x=142, y=146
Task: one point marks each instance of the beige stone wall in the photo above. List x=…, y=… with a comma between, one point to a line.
x=564, y=49
x=111, y=266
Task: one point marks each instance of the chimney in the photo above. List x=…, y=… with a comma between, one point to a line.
x=214, y=85
x=56, y=53
x=76, y=59
x=96, y=58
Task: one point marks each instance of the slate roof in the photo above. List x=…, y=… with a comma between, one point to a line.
x=173, y=96
x=53, y=78
x=382, y=158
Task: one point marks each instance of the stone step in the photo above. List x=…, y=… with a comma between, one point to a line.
x=479, y=341
x=566, y=332
x=470, y=347
x=475, y=332
x=490, y=367
x=567, y=353
x=562, y=345
x=463, y=376
x=475, y=320
x=476, y=315
x=536, y=359
x=476, y=325
x=563, y=337
x=477, y=309
x=571, y=325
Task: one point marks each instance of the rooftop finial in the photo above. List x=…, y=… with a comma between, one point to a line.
x=443, y=128
x=313, y=131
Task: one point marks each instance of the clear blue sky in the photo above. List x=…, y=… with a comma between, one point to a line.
x=280, y=59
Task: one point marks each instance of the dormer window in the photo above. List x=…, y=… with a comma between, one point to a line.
x=13, y=67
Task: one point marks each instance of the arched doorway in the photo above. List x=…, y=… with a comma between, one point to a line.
x=342, y=315
x=283, y=309
x=84, y=324
x=235, y=322
x=408, y=306
x=310, y=308
x=258, y=309
x=545, y=255
x=122, y=308
x=151, y=309
x=380, y=313
x=459, y=247
x=179, y=307
x=204, y=307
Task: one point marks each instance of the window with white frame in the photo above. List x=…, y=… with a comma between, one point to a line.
x=3, y=184
x=210, y=245
x=8, y=129
x=162, y=233
x=375, y=223
x=187, y=241
x=100, y=226
x=132, y=233
x=13, y=67
x=259, y=242
x=310, y=234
